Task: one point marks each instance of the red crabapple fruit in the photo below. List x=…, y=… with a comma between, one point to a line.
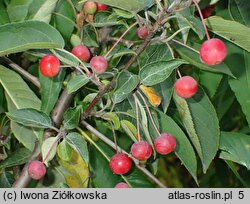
x=165, y=143
x=36, y=170
x=213, y=51
x=186, y=87
x=120, y=163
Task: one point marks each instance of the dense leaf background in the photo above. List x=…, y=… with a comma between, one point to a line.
x=211, y=128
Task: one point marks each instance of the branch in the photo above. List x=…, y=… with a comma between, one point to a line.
x=21, y=71
x=112, y=144
x=157, y=25
x=57, y=117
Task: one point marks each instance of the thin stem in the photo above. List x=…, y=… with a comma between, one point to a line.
x=159, y=5
x=176, y=33
x=21, y=71
x=184, y=45
x=114, y=136
x=149, y=113
x=137, y=117
x=110, y=50
x=178, y=72
x=111, y=144
x=171, y=50
x=202, y=18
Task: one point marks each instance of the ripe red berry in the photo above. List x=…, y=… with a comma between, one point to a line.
x=99, y=64
x=141, y=150
x=49, y=66
x=90, y=7
x=36, y=170
x=101, y=7
x=142, y=32
x=165, y=143
x=120, y=163
x=122, y=185
x=213, y=51
x=186, y=87
x=82, y=52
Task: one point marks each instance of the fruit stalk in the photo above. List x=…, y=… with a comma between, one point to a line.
x=202, y=18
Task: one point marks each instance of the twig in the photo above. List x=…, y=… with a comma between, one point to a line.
x=61, y=106
x=112, y=144
x=21, y=71
x=110, y=86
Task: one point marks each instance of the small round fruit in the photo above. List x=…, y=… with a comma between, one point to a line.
x=49, y=65
x=99, y=64
x=141, y=150
x=36, y=170
x=186, y=87
x=101, y=7
x=122, y=185
x=165, y=143
x=142, y=32
x=82, y=52
x=90, y=7
x=120, y=163
x=213, y=51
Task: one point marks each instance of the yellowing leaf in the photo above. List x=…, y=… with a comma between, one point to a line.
x=153, y=97
x=78, y=171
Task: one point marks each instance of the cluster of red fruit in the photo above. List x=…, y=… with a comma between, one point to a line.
x=121, y=163
x=50, y=64
x=212, y=52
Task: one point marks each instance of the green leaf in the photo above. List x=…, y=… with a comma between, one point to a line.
x=28, y=35
x=49, y=147
x=102, y=19
x=19, y=157
x=77, y=142
x=19, y=95
x=126, y=83
x=154, y=53
x=235, y=147
x=119, y=51
x=122, y=13
x=64, y=18
x=186, y=18
x=130, y=129
x=230, y=30
x=4, y=15
x=30, y=117
x=129, y=5
x=201, y=123
x=18, y=91
x=68, y=58
x=194, y=59
x=166, y=89
x=71, y=117
x=6, y=179
x=144, y=125
x=113, y=118
x=64, y=151
x=89, y=36
x=42, y=10
x=77, y=82
x=18, y=9
x=184, y=150
x=157, y=72
x=210, y=82
x=239, y=10
x=239, y=62
x=50, y=90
